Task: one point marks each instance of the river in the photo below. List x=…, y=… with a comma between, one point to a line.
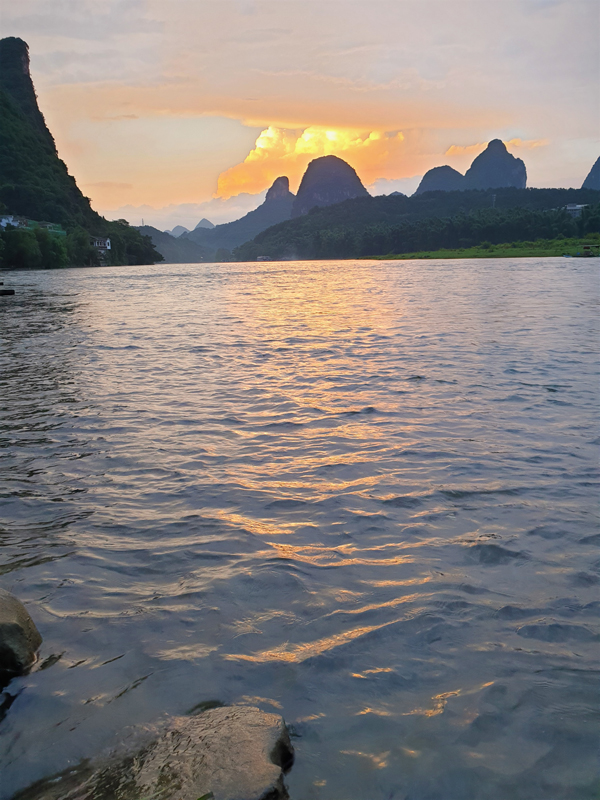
x=359, y=494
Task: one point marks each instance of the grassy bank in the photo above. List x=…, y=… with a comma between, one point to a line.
x=541, y=247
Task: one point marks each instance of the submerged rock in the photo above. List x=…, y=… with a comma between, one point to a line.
x=19, y=638
x=227, y=753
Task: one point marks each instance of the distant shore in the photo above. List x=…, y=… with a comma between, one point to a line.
x=541, y=247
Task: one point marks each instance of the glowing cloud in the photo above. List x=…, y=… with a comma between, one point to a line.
x=280, y=151
x=475, y=149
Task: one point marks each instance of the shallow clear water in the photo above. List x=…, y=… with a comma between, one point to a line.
x=361, y=494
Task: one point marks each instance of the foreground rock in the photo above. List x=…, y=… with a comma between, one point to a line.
x=229, y=753
x=19, y=638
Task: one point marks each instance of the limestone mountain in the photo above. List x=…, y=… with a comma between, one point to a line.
x=443, y=179
x=593, y=179
x=205, y=223
x=276, y=208
x=327, y=180
x=495, y=168
x=36, y=184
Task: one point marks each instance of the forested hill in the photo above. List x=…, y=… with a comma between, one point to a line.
x=380, y=225
x=35, y=183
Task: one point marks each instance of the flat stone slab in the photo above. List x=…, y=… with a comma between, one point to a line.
x=228, y=753
x=19, y=638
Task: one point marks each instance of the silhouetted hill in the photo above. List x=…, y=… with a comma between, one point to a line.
x=175, y=249
x=362, y=226
x=495, y=168
x=205, y=223
x=277, y=207
x=178, y=230
x=15, y=80
x=444, y=179
x=327, y=180
x=35, y=183
x=593, y=179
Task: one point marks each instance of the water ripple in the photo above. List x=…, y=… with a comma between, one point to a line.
x=361, y=493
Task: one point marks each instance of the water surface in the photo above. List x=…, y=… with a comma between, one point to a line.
x=359, y=494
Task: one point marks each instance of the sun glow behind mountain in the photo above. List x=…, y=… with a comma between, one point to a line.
x=162, y=104
x=287, y=152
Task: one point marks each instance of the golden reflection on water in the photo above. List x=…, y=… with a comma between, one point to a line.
x=378, y=760
x=439, y=701
x=296, y=653
x=333, y=556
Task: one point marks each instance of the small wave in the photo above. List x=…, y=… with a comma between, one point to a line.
x=286, y=504
x=494, y=555
x=403, y=501
x=557, y=632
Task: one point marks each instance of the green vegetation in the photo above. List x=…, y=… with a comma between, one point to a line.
x=35, y=183
x=383, y=225
x=38, y=248
x=560, y=246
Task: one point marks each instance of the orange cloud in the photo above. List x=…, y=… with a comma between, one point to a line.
x=279, y=151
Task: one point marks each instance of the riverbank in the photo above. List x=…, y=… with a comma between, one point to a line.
x=541, y=247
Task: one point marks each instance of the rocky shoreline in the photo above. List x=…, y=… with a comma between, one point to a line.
x=223, y=753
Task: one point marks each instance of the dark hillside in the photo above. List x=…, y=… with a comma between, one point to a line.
x=364, y=225
x=15, y=80
x=35, y=183
x=175, y=249
x=276, y=208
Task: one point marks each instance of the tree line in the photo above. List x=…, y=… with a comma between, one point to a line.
x=313, y=240
x=39, y=248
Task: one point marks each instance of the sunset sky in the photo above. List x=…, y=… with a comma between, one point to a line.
x=168, y=104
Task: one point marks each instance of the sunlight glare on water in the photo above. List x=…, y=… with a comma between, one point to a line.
x=360, y=494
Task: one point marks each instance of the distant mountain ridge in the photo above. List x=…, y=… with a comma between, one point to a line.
x=177, y=230
x=495, y=168
x=175, y=249
x=276, y=208
x=205, y=223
